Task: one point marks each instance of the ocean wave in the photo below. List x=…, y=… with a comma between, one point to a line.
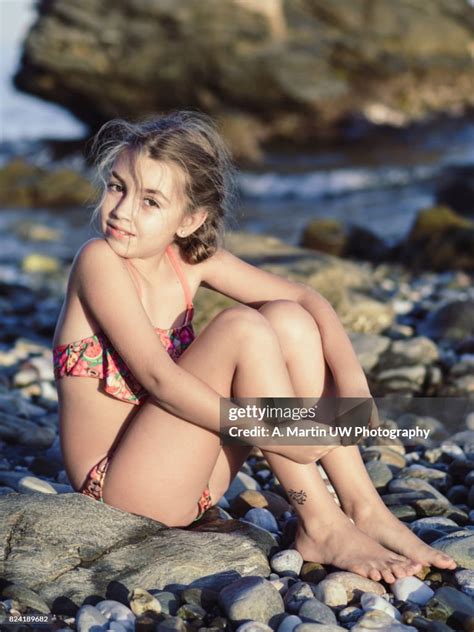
x=330, y=183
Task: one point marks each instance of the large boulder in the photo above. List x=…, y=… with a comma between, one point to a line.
x=67, y=547
x=439, y=239
x=269, y=70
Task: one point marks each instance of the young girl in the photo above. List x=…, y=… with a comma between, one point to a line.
x=139, y=431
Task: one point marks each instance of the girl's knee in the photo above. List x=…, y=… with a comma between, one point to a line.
x=292, y=322
x=243, y=323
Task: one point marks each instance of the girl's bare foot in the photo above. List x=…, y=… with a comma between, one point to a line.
x=343, y=545
x=380, y=524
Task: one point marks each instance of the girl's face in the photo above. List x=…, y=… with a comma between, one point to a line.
x=144, y=206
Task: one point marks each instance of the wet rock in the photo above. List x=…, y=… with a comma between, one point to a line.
x=447, y=600
x=439, y=239
x=251, y=598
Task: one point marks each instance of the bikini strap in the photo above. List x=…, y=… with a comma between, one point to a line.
x=181, y=276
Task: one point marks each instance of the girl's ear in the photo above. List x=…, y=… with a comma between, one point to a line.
x=193, y=221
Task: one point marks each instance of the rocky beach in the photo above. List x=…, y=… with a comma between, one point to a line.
x=91, y=567
x=352, y=123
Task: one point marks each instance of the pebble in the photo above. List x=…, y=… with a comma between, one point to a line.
x=331, y=593
x=287, y=561
x=315, y=611
x=351, y=614
x=33, y=484
x=434, y=522
x=240, y=483
x=116, y=626
x=314, y=627
x=380, y=620
x=89, y=619
x=118, y=612
x=380, y=474
x=171, y=624
x=282, y=584
x=465, y=580
x=459, y=545
x=254, y=626
x=289, y=623
x=312, y=572
x=371, y=601
x=355, y=585
x=169, y=601
x=262, y=518
x=447, y=600
x=252, y=598
x=411, y=589
x=296, y=594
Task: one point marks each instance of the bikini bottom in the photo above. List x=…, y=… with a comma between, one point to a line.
x=94, y=484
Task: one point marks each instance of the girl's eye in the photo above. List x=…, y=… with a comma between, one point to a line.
x=152, y=202
x=118, y=187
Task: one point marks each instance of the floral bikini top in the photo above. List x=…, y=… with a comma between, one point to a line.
x=95, y=356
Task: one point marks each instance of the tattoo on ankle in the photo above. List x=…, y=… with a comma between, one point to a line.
x=299, y=497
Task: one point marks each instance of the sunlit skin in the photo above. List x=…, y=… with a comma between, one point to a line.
x=253, y=350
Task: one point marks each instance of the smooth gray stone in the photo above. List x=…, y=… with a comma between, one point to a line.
x=263, y=518
x=460, y=545
x=253, y=598
x=94, y=542
x=89, y=619
x=289, y=623
x=380, y=474
x=465, y=580
x=24, y=432
x=315, y=611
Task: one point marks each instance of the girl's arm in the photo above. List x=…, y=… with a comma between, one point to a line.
x=252, y=286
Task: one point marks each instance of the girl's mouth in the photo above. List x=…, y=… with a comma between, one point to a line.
x=118, y=233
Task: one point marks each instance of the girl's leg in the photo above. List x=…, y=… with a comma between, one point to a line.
x=325, y=534
x=162, y=462
x=360, y=500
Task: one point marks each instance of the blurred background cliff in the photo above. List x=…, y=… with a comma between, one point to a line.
x=354, y=110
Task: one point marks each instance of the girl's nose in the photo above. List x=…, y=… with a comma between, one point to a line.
x=124, y=210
